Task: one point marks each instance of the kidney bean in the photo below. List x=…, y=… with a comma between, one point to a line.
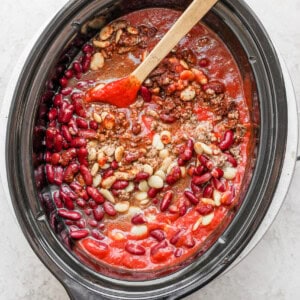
x=88, y=211
x=157, y=247
x=109, y=209
x=92, y=204
x=166, y=201
x=93, y=125
x=66, y=91
x=198, y=180
x=70, y=172
x=71, y=215
x=158, y=234
x=120, y=185
x=52, y=114
x=131, y=157
x=227, y=140
x=181, y=162
x=208, y=191
x=79, y=109
x=69, y=73
x=141, y=176
x=138, y=219
x=48, y=156
x=182, y=210
x=175, y=238
x=67, y=190
x=178, y=252
x=58, y=99
x=55, y=158
x=77, y=67
x=86, y=61
x=81, y=123
x=82, y=155
x=227, y=198
x=88, y=134
x=189, y=241
x=65, y=112
x=174, y=175
x=50, y=173
x=191, y=197
x=231, y=160
x=95, y=194
x=73, y=129
x=63, y=82
x=107, y=173
x=145, y=93
x=204, y=62
x=169, y=119
x=58, y=175
x=136, y=128
x=79, y=234
x=216, y=86
x=152, y=192
x=203, y=159
x=68, y=203
x=93, y=223
x=65, y=133
x=57, y=200
x=58, y=142
x=81, y=224
x=96, y=234
x=114, y=165
x=204, y=209
x=78, y=142
x=217, y=172
x=135, y=249
x=98, y=213
x=196, y=189
x=81, y=202
x=199, y=170
x=219, y=185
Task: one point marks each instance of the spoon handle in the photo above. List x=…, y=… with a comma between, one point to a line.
x=193, y=14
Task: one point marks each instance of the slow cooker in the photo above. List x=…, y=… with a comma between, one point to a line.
x=273, y=104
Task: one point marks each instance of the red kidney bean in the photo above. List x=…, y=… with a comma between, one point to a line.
x=77, y=67
x=82, y=155
x=69, y=203
x=66, y=91
x=58, y=175
x=196, y=189
x=152, y=192
x=135, y=249
x=216, y=86
x=109, y=209
x=87, y=48
x=66, y=189
x=92, y=204
x=58, y=142
x=204, y=62
x=174, y=175
x=81, y=223
x=145, y=93
x=204, y=209
x=81, y=202
x=219, y=185
x=57, y=200
x=101, y=226
x=81, y=123
x=217, y=172
x=65, y=112
x=58, y=99
x=182, y=210
x=98, y=213
x=93, y=223
x=178, y=252
x=138, y=219
x=73, y=129
x=63, y=82
x=208, y=191
x=78, y=142
x=95, y=194
x=199, y=170
x=69, y=73
x=141, y=176
x=114, y=165
x=66, y=133
x=67, y=156
x=88, y=134
x=71, y=215
x=50, y=173
x=181, y=162
x=79, y=234
x=70, y=224
x=48, y=156
x=96, y=234
x=52, y=114
x=227, y=140
x=198, y=180
x=189, y=241
x=55, y=158
x=204, y=160
x=120, y=185
x=231, y=160
x=175, y=238
x=227, y=198
x=136, y=128
x=157, y=247
x=169, y=119
x=107, y=173
x=86, y=61
x=78, y=107
x=191, y=197
x=70, y=172
x=131, y=157
x=166, y=201
x=93, y=125
x=158, y=234
x=88, y=211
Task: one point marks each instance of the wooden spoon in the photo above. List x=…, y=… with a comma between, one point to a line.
x=123, y=92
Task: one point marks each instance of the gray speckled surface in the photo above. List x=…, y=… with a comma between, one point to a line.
x=272, y=269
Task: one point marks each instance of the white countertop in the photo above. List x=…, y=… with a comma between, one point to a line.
x=270, y=271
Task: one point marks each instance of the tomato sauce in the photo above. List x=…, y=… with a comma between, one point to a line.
x=162, y=176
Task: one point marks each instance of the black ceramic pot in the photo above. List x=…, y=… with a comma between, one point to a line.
x=236, y=24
